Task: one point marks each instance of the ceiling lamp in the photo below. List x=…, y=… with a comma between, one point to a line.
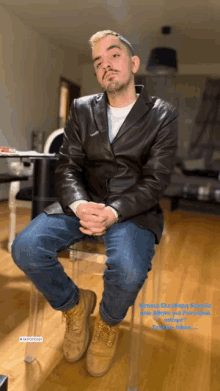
x=163, y=60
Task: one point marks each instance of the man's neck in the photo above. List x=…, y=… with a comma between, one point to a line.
x=122, y=98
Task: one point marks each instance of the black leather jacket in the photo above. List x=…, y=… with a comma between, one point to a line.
x=132, y=173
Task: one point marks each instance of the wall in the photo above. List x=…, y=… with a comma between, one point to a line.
x=30, y=69
x=90, y=84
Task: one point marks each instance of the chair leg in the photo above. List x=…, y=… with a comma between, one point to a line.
x=37, y=303
x=158, y=270
x=136, y=332
x=75, y=257
x=157, y=280
x=14, y=188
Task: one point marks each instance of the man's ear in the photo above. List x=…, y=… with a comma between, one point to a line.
x=135, y=63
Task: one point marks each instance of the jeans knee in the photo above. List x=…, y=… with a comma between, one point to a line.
x=129, y=280
x=21, y=252
x=132, y=280
x=15, y=249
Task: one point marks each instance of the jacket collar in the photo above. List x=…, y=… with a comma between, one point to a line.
x=142, y=105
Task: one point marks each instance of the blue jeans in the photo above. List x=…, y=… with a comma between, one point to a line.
x=129, y=249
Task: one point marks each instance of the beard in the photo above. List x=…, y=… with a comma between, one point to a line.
x=113, y=86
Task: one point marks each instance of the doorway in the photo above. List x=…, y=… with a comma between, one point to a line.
x=68, y=92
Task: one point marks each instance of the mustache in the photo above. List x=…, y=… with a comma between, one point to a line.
x=109, y=70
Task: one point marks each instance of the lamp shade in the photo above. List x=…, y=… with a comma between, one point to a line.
x=162, y=61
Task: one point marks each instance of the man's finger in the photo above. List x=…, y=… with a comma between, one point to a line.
x=95, y=211
x=96, y=205
x=89, y=232
x=92, y=228
x=89, y=223
x=94, y=218
x=85, y=231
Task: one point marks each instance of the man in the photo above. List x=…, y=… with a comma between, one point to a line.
x=116, y=160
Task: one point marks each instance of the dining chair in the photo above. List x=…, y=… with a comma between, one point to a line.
x=23, y=197
x=87, y=257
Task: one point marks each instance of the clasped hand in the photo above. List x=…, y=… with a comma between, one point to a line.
x=95, y=218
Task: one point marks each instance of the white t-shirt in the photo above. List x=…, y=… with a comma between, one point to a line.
x=116, y=117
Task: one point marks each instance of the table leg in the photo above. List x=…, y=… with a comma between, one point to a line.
x=174, y=203
x=43, y=187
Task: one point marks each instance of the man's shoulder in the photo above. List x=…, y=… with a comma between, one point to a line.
x=87, y=100
x=156, y=102
x=163, y=105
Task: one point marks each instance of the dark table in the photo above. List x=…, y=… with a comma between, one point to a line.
x=6, y=178
x=43, y=185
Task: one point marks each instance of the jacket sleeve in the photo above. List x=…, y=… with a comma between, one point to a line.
x=156, y=173
x=69, y=184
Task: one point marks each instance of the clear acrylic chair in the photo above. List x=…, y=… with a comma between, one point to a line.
x=84, y=257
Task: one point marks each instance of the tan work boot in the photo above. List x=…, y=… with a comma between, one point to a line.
x=76, y=337
x=102, y=347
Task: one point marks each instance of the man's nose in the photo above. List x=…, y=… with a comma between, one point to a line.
x=106, y=64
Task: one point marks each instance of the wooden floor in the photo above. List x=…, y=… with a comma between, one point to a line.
x=172, y=360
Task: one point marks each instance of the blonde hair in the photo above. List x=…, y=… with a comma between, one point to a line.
x=102, y=34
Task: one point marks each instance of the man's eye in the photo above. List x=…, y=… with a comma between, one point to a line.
x=98, y=65
x=116, y=55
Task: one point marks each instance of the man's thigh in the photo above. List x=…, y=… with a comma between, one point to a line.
x=129, y=248
x=51, y=233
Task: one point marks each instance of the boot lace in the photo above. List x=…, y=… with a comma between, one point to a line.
x=72, y=320
x=105, y=333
